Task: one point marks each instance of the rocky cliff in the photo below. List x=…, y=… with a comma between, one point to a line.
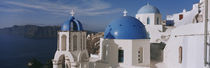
x=33, y=31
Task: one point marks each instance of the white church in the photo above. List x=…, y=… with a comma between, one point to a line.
x=144, y=41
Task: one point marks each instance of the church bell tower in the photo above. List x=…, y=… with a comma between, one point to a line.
x=71, y=48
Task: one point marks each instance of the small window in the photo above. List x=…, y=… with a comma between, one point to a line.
x=148, y=20
x=181, y=16
x=140, y=55
x=120, y=56
x=158, y=21
x=180, y=54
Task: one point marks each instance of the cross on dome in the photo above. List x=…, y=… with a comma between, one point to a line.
x=72, y=12
x=125, y=12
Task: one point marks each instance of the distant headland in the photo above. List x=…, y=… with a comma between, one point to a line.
x=33, y=31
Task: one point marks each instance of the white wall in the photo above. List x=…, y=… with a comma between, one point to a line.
x=191, y=39
x=154, y=33
x=130, y=47
x=109, y=52
x=146, y=52
x=126, y=45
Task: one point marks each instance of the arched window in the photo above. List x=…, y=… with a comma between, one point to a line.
x=63, y=44
x=148, y=20
x=120, y=55
x=158, y=20
x=74, y=43
x=140, y=55
x=180, y=54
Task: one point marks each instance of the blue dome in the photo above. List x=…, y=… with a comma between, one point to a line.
x=148, y=9
x=72, y=25
x=126, y=27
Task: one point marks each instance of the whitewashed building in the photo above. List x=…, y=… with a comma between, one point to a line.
x=133, y=42
x=151, y=17
x=185, y=47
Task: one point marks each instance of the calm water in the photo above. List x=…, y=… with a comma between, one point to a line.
x=16, y=51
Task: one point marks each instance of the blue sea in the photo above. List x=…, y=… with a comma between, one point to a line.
x=16, y=51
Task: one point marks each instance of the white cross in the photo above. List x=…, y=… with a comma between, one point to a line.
x=125, y=12
x=72, y=12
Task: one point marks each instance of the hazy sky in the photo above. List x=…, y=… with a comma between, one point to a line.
x=94, y=14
